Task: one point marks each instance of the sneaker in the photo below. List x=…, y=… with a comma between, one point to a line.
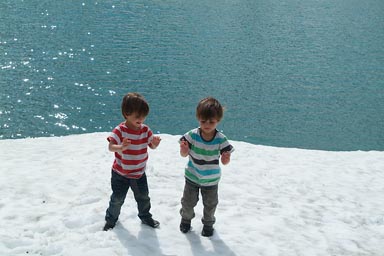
x=207, y=231
x=151, y=222
x=185, y=227
x=108, y=226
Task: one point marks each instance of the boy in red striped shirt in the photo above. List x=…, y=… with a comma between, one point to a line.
x=129, y=141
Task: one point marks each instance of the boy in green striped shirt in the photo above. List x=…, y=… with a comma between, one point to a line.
x=206, y=147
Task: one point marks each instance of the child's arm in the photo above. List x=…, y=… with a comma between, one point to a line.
x=155, y=142
x=184, y=148
x=113, y=147
x=225, y=157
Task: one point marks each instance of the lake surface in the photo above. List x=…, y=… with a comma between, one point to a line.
x=294, y=73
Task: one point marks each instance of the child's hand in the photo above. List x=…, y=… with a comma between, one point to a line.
x=119, y=148
x=155, y=142
x=125, y=144
x=225, y=157
x=184, y=148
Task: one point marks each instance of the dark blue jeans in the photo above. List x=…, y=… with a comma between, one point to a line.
x=120, y=186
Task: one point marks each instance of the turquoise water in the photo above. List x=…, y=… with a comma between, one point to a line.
x=295, y=73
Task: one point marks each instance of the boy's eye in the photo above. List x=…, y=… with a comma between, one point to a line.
x=211, y=121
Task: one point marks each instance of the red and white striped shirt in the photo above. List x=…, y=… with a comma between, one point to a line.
x=132, y=162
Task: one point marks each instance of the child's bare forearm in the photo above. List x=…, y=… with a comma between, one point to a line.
x=115, y=147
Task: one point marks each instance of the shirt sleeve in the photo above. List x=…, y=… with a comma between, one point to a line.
x=115, y=136
x=184, y=138
x=226, y=146
x=149, y=136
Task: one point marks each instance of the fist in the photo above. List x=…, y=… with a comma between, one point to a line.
x=184, y=148
x=156, y=141
x=225, y=157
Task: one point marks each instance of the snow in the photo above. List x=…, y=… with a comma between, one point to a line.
x=273, y=201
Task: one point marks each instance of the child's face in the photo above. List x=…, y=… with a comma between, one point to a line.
x=134, y=121
x=208, y=126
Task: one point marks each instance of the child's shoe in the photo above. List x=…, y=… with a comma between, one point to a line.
x=151, y=222
x=185, y=227
x=207, y=231
x=108, y=226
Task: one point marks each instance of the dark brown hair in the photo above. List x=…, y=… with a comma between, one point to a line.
x=134, y=103
x=209, y=108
